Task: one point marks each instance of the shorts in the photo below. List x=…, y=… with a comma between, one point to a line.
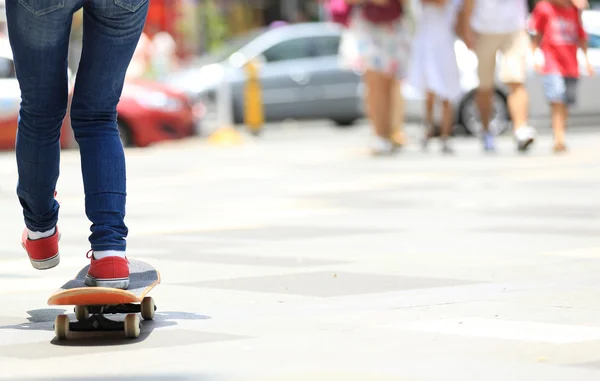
x=381, y=48
x=559, y=89
x=514, y=48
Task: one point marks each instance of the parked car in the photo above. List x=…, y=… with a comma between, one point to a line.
x=151, y=112
x=148, y=112
x=586, y=111
x=300, y=74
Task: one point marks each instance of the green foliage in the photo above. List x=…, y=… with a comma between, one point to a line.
x=216, y=25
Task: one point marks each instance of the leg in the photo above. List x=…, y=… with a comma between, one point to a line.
x=429, y=118
x=380, y=92
x=379, y=88
x=429, y=109
x=398, y=136
x=559, y=124
x=485, y=49
x=39, y=37
x=398, y=68
x=513, y=73
x=110, y=36
x=484, y=104
x=40, y=46
x=447, y=121
x=518, y=104
x=388, y=105
x=570, y=100
x=559, y=97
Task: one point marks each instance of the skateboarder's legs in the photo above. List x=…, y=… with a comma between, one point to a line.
x=39, y=36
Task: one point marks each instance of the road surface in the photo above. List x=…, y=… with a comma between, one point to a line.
x=297, y=256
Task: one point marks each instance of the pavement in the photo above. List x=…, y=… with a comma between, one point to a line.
x=297, y=256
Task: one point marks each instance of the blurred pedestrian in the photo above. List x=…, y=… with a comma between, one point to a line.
x=163, y=52
x=141, y=63
x=434, y=69
x=559, y=33
x=492, y=26
x=378, y=44
x=39, y=37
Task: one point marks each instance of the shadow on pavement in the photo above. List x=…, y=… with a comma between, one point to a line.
x=43, y=320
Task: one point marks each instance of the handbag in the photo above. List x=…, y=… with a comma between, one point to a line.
x=339, y=11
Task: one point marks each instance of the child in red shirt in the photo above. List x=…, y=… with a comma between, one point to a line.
x=559, y=33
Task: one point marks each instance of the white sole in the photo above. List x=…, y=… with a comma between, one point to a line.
x=46, y=263
x=108, y=283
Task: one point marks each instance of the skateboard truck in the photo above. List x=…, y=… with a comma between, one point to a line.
x=96, y=323
x=128, y=308
x=92, y=319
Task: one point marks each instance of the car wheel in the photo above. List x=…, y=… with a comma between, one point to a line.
x=125, y=134
x=344, y=123
x=469, y=115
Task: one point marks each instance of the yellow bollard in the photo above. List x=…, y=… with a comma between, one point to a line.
x=254, y=115
x=225, y=136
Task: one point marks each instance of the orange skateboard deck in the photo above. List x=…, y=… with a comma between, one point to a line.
x=92, y=303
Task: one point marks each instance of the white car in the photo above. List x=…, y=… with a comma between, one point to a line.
x=586, y=111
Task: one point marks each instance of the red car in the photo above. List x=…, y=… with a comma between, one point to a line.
x=148, y=112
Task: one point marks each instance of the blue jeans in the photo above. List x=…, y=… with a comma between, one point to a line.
x=39, y=35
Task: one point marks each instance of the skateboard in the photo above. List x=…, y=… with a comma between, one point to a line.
x=92, y=303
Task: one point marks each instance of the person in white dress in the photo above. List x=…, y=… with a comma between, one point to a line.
x=164, y=54
x=434, y=69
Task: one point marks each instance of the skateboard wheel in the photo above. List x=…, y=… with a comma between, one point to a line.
x=81, y=313
x=132, y=326
x=61, y=327
x=148, y=308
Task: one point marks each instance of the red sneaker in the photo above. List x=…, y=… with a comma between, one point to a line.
x=43, y=253
x=112, y=272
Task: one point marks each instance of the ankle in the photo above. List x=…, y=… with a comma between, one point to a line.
x=34, y=235
x=108, y=253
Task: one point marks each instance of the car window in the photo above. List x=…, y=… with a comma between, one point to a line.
x=289, y=50
x=7, y=69
x=326, y=45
